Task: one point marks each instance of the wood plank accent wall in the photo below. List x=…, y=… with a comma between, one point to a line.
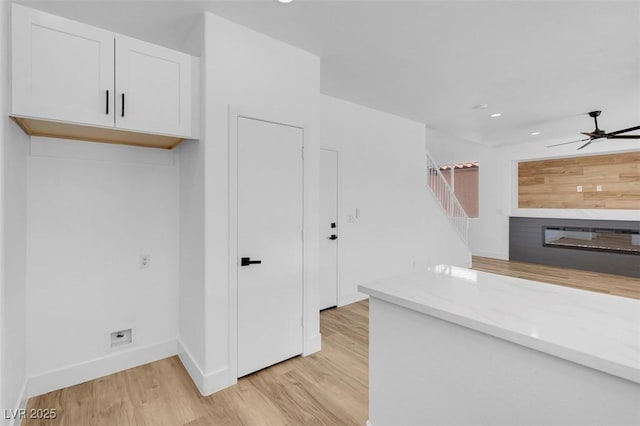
x=553, y=183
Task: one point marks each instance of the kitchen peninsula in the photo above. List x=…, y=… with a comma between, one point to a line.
x=455, y=346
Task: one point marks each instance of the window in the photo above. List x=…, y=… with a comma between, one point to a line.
x=463, y=179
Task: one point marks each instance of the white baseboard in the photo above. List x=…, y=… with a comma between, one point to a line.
x=190, y=365
x=493, y=255
x=352, y=298
x=90, y=370
x=312, y=345
x=206, y=383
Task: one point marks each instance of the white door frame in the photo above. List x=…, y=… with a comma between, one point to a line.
x=234, y=114
x=337, y=151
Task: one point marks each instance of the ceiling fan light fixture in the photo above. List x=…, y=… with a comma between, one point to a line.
x=598, y=134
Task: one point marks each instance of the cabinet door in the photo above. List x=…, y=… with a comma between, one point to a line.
x=62, y=69
x=153, y=87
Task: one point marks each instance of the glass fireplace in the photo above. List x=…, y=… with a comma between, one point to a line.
x=609, y=240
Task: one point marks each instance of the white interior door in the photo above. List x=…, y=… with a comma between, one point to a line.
x=270, y=232
x=328, y=228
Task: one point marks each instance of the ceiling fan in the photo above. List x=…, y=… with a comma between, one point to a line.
x=601, y=134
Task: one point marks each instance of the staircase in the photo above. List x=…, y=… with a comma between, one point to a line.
x=445, y=196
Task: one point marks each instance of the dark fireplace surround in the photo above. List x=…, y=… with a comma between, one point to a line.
x=608, y=246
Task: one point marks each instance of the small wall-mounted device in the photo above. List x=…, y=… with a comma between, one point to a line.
x=144, y=261
x=352, y=218
x=121, y=338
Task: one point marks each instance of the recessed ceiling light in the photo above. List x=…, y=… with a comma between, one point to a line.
x=284, y=1
x=497, y=114
x=480, y=106
x=535, y=133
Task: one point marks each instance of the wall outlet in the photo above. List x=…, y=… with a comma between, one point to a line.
x=121, y=338
x=598, y=188
x=579, y=188
x=145, y=260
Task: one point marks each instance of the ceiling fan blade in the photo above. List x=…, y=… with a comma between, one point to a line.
x=630, y=129
x=624, y=137
x=566, y=143
x=588, y=143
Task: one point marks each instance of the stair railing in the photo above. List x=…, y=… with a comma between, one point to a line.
x=447, y=199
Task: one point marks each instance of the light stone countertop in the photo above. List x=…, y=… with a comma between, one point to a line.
x=592, y=329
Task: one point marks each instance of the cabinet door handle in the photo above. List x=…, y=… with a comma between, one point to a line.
x=122, y=109
x=107, y=111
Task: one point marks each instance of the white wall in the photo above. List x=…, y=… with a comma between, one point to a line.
x=489, y=233
x=93, y=209
x=192, y=257
x=3, y=110
x=258, y=76
x=2, y=124
x=191, y=155
x=14, y=298
x=13, y=171
x=382, y=172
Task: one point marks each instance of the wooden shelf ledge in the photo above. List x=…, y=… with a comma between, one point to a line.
x=56, y=129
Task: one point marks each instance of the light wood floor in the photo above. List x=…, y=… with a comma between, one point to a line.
x=328, y=388
x=585, y=280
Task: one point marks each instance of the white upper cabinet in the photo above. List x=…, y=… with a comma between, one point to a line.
x=62, y=70
x=69, y=77
x=153, y=87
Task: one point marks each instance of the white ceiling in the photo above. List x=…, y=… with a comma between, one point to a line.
x=541, y=64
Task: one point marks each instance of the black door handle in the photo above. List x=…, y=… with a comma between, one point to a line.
x=246, y=261
x=122, y=109
x=333, y=237
x=107, y=111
